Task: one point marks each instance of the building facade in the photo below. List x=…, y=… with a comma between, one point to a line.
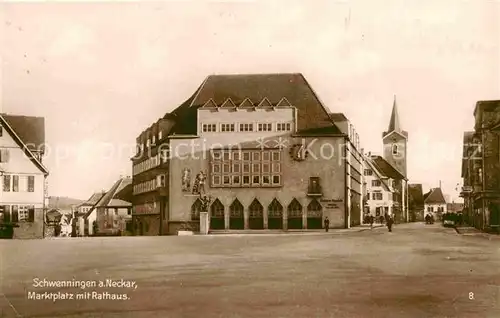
x=416, y=205
x=379, y=189
x=113, y=215
x=23, y=195
x=262, y=148
x=481, y=167
x=435, y=203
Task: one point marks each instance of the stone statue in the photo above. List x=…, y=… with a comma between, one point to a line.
x=186, y=180
x=199, y=183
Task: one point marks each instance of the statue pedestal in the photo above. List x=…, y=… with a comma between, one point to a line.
x=204, y=224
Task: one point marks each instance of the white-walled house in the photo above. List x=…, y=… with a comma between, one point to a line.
x=435, y=203
x=86, y=214
x=379, y=190
x=23, y=195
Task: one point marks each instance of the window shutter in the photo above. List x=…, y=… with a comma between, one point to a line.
x=15, y=215
x=7, y=155
x=6, y=213
x=31, y=214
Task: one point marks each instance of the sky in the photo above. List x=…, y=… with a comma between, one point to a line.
x=100, y=73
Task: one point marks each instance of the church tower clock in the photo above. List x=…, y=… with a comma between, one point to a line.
x=395, y=142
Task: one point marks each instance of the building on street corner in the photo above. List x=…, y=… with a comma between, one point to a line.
x=481, y=168
x=23, y=195
x=261, y=147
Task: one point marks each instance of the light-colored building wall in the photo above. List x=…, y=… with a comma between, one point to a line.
x=19, y=165
x=325, y=161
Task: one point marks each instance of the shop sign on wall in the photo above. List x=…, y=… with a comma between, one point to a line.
x=331, y=203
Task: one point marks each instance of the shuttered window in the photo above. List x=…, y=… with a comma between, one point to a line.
x=14, y=214
x=31, y=183
x=6, y=183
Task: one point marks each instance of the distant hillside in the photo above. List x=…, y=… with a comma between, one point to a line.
x=63, y=202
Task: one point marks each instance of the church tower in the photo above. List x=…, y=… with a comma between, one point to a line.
x=395, y=142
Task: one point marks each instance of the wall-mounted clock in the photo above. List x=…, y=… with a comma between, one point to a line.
x=298, y=152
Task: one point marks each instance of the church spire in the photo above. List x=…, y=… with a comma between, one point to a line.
x=394, y=122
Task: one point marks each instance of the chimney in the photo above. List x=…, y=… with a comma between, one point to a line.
x=439, y=184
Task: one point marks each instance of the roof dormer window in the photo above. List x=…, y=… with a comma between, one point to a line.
x=160, y=133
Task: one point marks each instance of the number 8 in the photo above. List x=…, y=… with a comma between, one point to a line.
x=471, y=295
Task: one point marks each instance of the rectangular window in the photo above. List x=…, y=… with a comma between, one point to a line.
x=4, y=155
x=255, y=180
x=276, y=156
x=216, y=168
x=276, y=167
x=276, y=180
x=1, y=131
x=226, y=180
x=236, y=155
x=266, y=155
x=15, y=183
x=256, y=168
x=6, y=183
x=266, y=168
x=246, y=180
x=15, y=214
x=160, y=135
x=265, y=127
x=236, y=180
x=226, y=127
x=246, y=168
x=209, y=127
x=283, y=127
x=377, y=196
x=246, y=156
x=226, y=168
x=246, y=127
x=23, y=213
x=376, y=183
x=226, y=156
x=236, y=168
x=314, y=186
x=256, y=156
x=266, y=180
x=368, y=172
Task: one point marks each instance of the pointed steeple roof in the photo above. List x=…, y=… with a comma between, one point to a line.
x=394, y=122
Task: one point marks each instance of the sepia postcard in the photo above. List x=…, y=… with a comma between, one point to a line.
x=250, y=158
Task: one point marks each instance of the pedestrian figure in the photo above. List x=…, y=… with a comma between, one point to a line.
x=389, y=222
x=327, y=224
x=372, y=219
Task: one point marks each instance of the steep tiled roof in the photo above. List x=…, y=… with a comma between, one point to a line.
x=94, y=198
x=369, y=161
x=29, y=133
x=434, y=196
x=416, y=194
x=386, y=168
x=338, y=117
x=126, y=193
x=312, y=117
x=110, y=200
x=30, y=129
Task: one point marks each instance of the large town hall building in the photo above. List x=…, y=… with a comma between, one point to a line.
x=263, y=148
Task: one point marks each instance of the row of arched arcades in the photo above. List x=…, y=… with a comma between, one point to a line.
x=275, y=215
